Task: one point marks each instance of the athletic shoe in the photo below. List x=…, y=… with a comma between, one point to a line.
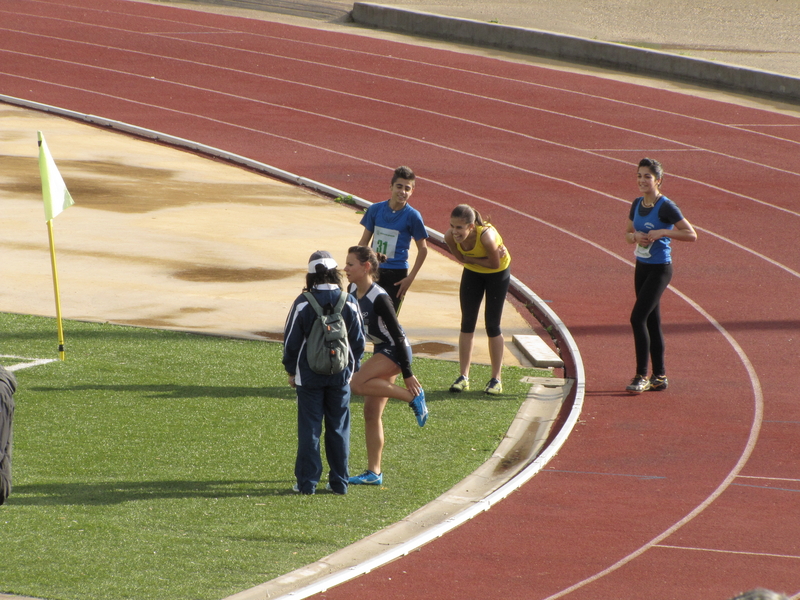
x=658, y=383
x=296, y=489
x=330, y=489
x=420, y=408
x=460, y=385
x=367, y=478
x=638, y=384
x=494, y=387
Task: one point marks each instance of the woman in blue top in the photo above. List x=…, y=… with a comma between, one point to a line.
x=391, y=357
x=653, y=221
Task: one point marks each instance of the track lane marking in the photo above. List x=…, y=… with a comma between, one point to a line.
x=438, y=146
x=328, y=47
x=438, y=88
x=741, y=552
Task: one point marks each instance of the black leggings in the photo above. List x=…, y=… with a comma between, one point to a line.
x=473, y=288
x=650, y=282
x=387, y=279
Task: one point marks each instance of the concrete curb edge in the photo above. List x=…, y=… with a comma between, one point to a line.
x=580, y=50
x=563, y=424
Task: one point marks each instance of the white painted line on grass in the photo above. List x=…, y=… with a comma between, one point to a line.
x=30, y=362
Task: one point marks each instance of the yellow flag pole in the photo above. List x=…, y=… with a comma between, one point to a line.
x=56, y=200
x=55, y=287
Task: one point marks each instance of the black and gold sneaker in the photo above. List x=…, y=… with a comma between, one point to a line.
x=658, y=383
x=638, y=384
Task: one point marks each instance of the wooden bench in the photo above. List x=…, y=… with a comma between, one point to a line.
x=537, y=351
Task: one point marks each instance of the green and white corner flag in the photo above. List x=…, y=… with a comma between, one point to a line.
x=54, y=191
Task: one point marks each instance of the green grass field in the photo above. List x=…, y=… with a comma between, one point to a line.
x=158, y=465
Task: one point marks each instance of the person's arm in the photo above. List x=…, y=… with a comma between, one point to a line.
x=365, y=237
x=355, y=334
x=292, y=342
x=682, y=232
x=634, y=237
x=631, y=235
x=384, y=309
x=493, y=251
x=368, y=222
x=422, y=254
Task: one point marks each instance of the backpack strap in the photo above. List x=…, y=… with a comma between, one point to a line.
x=318, y=309
x=313, y=302
x=340, y=304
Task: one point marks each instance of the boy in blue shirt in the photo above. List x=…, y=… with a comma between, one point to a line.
x=391, y=225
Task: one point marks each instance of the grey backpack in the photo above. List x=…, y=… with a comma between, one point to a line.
x=327, y=347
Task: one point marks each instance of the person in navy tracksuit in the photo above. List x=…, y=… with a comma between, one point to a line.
x=321, y=397
x=8, y=386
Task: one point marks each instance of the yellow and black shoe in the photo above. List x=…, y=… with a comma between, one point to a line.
x=494, y=387
x=460, y=385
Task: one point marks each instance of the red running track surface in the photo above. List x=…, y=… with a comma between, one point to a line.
x=691, y=493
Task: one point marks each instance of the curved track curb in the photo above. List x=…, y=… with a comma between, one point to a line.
x=477, y=493
x=532, y=440
x=581, y=50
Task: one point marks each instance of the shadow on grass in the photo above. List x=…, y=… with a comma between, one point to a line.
x=178, y=391
x=118, y=492
x=96, y=330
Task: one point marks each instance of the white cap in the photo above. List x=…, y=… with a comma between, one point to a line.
x=321, y=257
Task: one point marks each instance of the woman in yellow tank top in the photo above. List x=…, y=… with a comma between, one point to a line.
x=479, y=247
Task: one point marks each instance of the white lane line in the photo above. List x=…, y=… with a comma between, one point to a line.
x=769, y=554
x=655, y=136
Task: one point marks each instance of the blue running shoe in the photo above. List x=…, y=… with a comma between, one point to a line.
x=420, y=409
x=367, y=478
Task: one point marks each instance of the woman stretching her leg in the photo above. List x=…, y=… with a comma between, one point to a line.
x=391, y=356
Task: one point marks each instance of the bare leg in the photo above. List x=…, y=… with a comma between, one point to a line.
x=465, y=342
x=380, y=388
x=373, y=428
x=376, y=378
x=496, y=349
x=375, y=381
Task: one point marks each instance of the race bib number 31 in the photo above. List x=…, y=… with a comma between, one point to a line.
x=385, y=241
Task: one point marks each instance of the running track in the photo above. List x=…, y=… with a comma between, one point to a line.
x=692, y=493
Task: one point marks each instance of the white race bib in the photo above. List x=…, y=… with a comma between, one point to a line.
x=643, y=251
x=384, y=241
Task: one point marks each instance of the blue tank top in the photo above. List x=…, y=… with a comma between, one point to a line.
x=663, y=215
